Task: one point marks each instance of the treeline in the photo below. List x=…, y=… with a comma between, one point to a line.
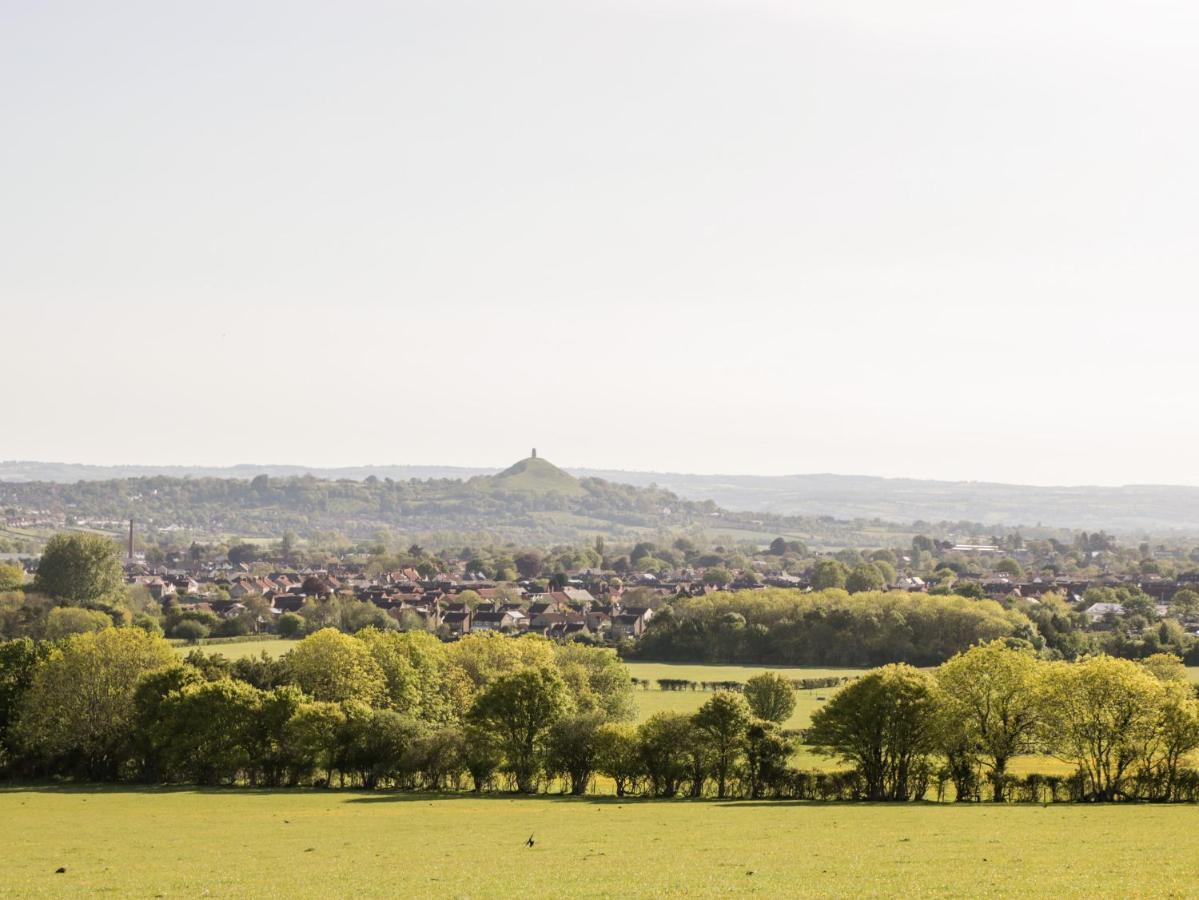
x=825, y=628
x=403, y=711
x=1128, y=730
x=377, y=708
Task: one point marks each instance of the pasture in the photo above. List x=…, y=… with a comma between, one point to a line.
x=652, y=700
x=239, y=649
x=312, y=843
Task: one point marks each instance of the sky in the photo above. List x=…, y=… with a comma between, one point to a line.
x=928, y=239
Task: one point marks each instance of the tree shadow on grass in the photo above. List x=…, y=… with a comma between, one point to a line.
x=360, y=795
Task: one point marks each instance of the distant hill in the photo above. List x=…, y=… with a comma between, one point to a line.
x=534, y=476
x=1130, y=509
x=19, y=471
x=533, y=501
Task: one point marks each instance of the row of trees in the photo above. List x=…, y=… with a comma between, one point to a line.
x=372, y=711
x=119, y=704
x=1126, y=728
x=825, y=628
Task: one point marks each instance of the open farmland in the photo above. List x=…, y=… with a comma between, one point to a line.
x=306, y=843
x=239, y=649
x=652, y=700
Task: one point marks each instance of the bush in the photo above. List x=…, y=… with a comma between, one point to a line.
x=66, y=620
x=191, y=631
x=290, y=626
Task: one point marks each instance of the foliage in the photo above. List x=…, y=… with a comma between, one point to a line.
x=1099, y=714
x=770, y=697
x=78, y=711
x=722, y=722
x=335, y=667
x=519, y=709
x=990, y=704
x=81, y=568
x=12, y=577
x=573, y=748
x=886, y=724
x=662, y=744
x=64, y=621
x=827, y=628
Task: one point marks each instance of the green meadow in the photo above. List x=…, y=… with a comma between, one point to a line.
x=310, y=843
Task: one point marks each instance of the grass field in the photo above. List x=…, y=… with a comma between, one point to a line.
x=245, y=843
x=240, y=649
x=653, y=700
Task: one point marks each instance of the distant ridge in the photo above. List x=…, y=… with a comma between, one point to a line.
x=1129, y=509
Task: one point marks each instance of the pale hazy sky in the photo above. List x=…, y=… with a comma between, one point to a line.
x=933, y=239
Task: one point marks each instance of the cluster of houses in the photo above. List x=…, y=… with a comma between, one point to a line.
x=586, y=607
x=590, y=604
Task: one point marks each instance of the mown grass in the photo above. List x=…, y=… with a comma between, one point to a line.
x=239, y=649
x=251, y=843
x=653, y=700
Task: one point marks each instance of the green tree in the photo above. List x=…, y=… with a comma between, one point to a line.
x=1174, y=737
x=378, y=745
x=12, y=577
x=290, y=626
x=80, y=568
x=190, y=631
x=865, y=577
x=573, y=748
x=1099, y=714
x=335, y=667
x=79, y=708
x=266, y=740
x=718, y=576
x=766, y=755
x=64, y=621
x=528, y=564
x=1184, y=603
x=149, y=760
x=482, y=657
x=205, y=730
x=483, y=755
x=388, y=649
x=19, y=660
x=770, y=697
x=311, y=740
x=829, y=573
x=722, y=721
x=991, y=693
x=662, y=742
x=887, y=724
x=519, y=709
x=618, y=755
x=597, y=679
x=1009, y=566
x=1166, y=667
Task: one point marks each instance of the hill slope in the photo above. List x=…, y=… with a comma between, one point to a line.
x=534, y=476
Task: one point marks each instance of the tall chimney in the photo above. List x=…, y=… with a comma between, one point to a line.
x=534, y=453
x=131, y=540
